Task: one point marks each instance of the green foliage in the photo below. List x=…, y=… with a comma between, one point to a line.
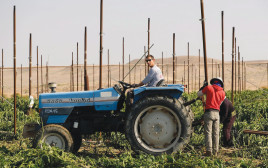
x=112, y=149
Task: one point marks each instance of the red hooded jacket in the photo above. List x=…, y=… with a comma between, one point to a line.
x=214, y=96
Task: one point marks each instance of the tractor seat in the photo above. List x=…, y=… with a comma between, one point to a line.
x=160, y=83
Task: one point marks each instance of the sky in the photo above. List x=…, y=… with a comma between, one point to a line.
x=57, y=25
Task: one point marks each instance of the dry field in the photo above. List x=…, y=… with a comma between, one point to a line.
x=256, y=75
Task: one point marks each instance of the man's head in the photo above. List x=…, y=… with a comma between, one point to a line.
x=216, y=81
x=150, y=60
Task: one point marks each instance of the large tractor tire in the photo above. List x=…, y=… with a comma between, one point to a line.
x=77, y=139
x=54, y=135
x=157, y=125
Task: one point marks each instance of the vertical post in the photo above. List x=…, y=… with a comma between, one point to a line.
x=183, y=72
x=266, y=78
x=86, y=82
x=42, y=74
x=81, y=71
x=129, y=69
x=245, y=76
x=239, y=88
x=222, y=43
x=37, y=75
x=235, y=68
x=2, y=74
x=219, y=70
x=47, y=77
x=188, y=69
x=21, y=80
x=199, y=70
x=242, y=81
x=173, y=58
x=204, y=40
x=14, y=57
x=148, y=40
x=108, y=68
x=192, y=77
x=30, y=66
x=233, y=45
x=123, y=59
x=100, y=76
x=77, y=66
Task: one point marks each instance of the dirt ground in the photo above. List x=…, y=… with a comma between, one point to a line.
x=256, y=75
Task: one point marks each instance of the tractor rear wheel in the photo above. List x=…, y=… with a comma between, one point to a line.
x=54, y=135
x=157, y=125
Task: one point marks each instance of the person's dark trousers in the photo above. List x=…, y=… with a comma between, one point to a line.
x=227, y=127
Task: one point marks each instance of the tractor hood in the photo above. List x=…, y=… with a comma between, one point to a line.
x=104, y=99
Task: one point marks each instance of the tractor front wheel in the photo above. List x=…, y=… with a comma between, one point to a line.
x=157, y=125
x=54, y=135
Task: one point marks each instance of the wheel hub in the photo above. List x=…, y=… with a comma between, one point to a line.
x=157, y=128
x=55, y=140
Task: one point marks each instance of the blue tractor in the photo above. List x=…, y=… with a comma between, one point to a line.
x=154, y=121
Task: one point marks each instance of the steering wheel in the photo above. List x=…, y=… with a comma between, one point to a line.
x=125, y=85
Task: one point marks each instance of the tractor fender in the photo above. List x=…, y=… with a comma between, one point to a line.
x=173, y=91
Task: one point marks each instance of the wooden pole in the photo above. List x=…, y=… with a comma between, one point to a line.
x=204, y=40
x=239, y=80
x=242, y=81
x=245, y=75
x=101, y=27
x=235, y=69
x=77, y=67
x=42, y=83
x=86, y=82
x=2, y=75
x=192, y=77
x=21, y=80
x=222, y=43
x=183, y=72
x=47, y=77
x=37, y=75
x=199, y=69
x=233, y=46
x=173, y=81
x=188, y=70
x=81, y=71
x=30, y=66
x=14, y=57
x=123, y=59
x=148, y=41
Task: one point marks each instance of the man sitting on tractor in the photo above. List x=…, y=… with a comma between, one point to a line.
x=154, y=75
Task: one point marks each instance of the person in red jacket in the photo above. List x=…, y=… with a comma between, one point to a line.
x=227, y=117
x=214, y=97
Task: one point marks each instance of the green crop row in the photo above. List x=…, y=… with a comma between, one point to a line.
x=114, y=151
